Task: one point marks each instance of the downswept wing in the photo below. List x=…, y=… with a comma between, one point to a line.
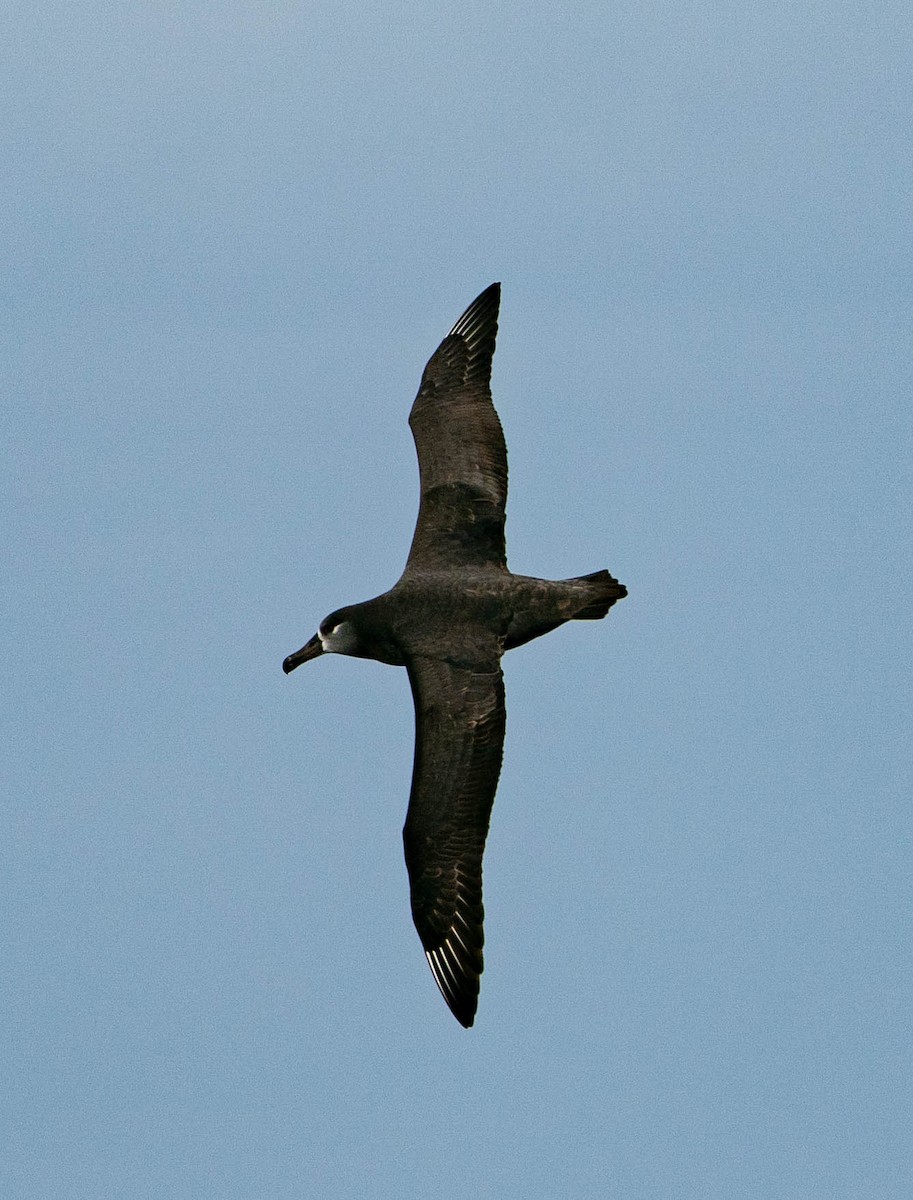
x=459, y=737
x=461, y=453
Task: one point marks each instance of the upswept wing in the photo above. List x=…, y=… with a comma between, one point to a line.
x=459, y=737
x=461, y=453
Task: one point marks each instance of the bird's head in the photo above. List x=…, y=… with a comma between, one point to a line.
x=336, y=635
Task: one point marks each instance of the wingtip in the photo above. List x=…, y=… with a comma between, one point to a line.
x=481, y=316
x=457, y=971
x=492, y=292
x=462, y=1002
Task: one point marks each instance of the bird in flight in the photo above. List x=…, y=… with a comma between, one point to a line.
x=454, y=612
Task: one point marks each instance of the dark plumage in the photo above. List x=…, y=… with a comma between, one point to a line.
x=454, y=612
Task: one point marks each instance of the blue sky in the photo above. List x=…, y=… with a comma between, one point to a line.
x=232, y=235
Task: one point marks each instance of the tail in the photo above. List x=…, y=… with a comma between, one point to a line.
x=604, y=590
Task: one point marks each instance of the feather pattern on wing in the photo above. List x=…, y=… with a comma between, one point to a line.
x=460, y=720
x=460, y=445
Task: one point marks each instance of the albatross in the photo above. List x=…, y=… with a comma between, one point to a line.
x=454, y=612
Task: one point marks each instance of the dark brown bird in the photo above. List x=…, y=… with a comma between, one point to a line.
x=455, y=610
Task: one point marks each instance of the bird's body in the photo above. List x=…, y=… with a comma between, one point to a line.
x=454, y=612
x=439, y=615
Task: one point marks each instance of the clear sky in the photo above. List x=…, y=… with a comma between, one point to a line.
x=231, y=236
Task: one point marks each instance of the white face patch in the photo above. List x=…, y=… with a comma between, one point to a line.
x=340, y=639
